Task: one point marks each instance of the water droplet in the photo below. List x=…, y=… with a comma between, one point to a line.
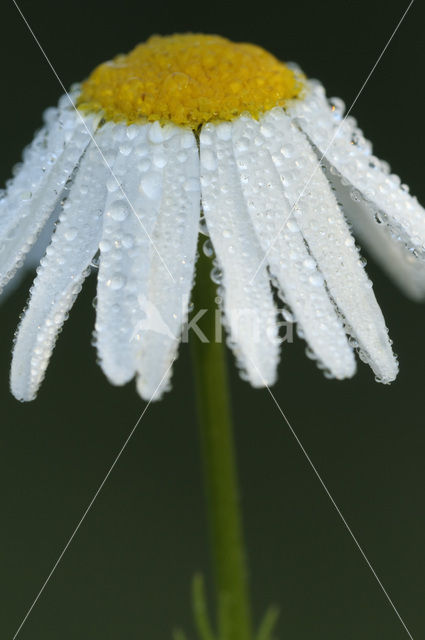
x=338, y=107
x=316, y=279
x=159, y=160
x=118, y=210
x=208, y=160
x=125, y=149
x=266, y=131
x=292, y=226
x=216, y=275
x=70, y=234
x=309, y=263
x=132, y=131
x=310, y=353
x=112, y=184
x=105, y=246
x=127, y=241
x=208, y=248
x=287, y=315
x=141, y=150
x=151, y=185
x=186, y=140
x=203, y=226
x=224, y=131
x=155, y=134
x=287, y=150
x=144, y=165
x=116, y=282
x=242, y=145
x=192, y=184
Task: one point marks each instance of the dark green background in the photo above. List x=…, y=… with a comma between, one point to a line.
x=128, y=571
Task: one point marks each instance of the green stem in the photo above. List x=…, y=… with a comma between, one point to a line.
x=228, y=552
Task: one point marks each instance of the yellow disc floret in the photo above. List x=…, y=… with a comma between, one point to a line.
x=189, y=79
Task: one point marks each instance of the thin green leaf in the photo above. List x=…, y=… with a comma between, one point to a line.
x=200, y=609
x=178, y=634
x=268, y=624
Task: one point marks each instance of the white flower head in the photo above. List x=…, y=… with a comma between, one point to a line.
x=191, y=124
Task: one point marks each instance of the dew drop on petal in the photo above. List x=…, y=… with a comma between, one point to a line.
x=316, y=279
x=151, y=186
x=118, y=210
x=292, y=226
x=191, y=184
x=71, y=234
x=117, y=281
x=104, y=246
x=125, y=149
x=208, y=248
x=208, y=160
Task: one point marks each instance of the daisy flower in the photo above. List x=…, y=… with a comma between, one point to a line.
x=191, y=132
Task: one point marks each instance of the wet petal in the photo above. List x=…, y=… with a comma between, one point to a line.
x=324, y=228
x=60, y=275
x=172, y=267
x=290, y=262
x=401, y=263
x=31, y=196
x=131, y=210
x=249, y=310
x=346, y=149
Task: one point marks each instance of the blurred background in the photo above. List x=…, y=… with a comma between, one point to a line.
x=127, y=573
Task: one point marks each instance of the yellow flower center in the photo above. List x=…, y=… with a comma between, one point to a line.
x=189, y=79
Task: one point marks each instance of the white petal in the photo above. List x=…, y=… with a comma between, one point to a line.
x=34, y=255
x=60, y=275
x=248, y=304
x=39, y=157
x=406, y=269
x=171, y=276
x=290, y=262
x=324, y=228
x=33, y=193
x=126, y=247
x=345, y=147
